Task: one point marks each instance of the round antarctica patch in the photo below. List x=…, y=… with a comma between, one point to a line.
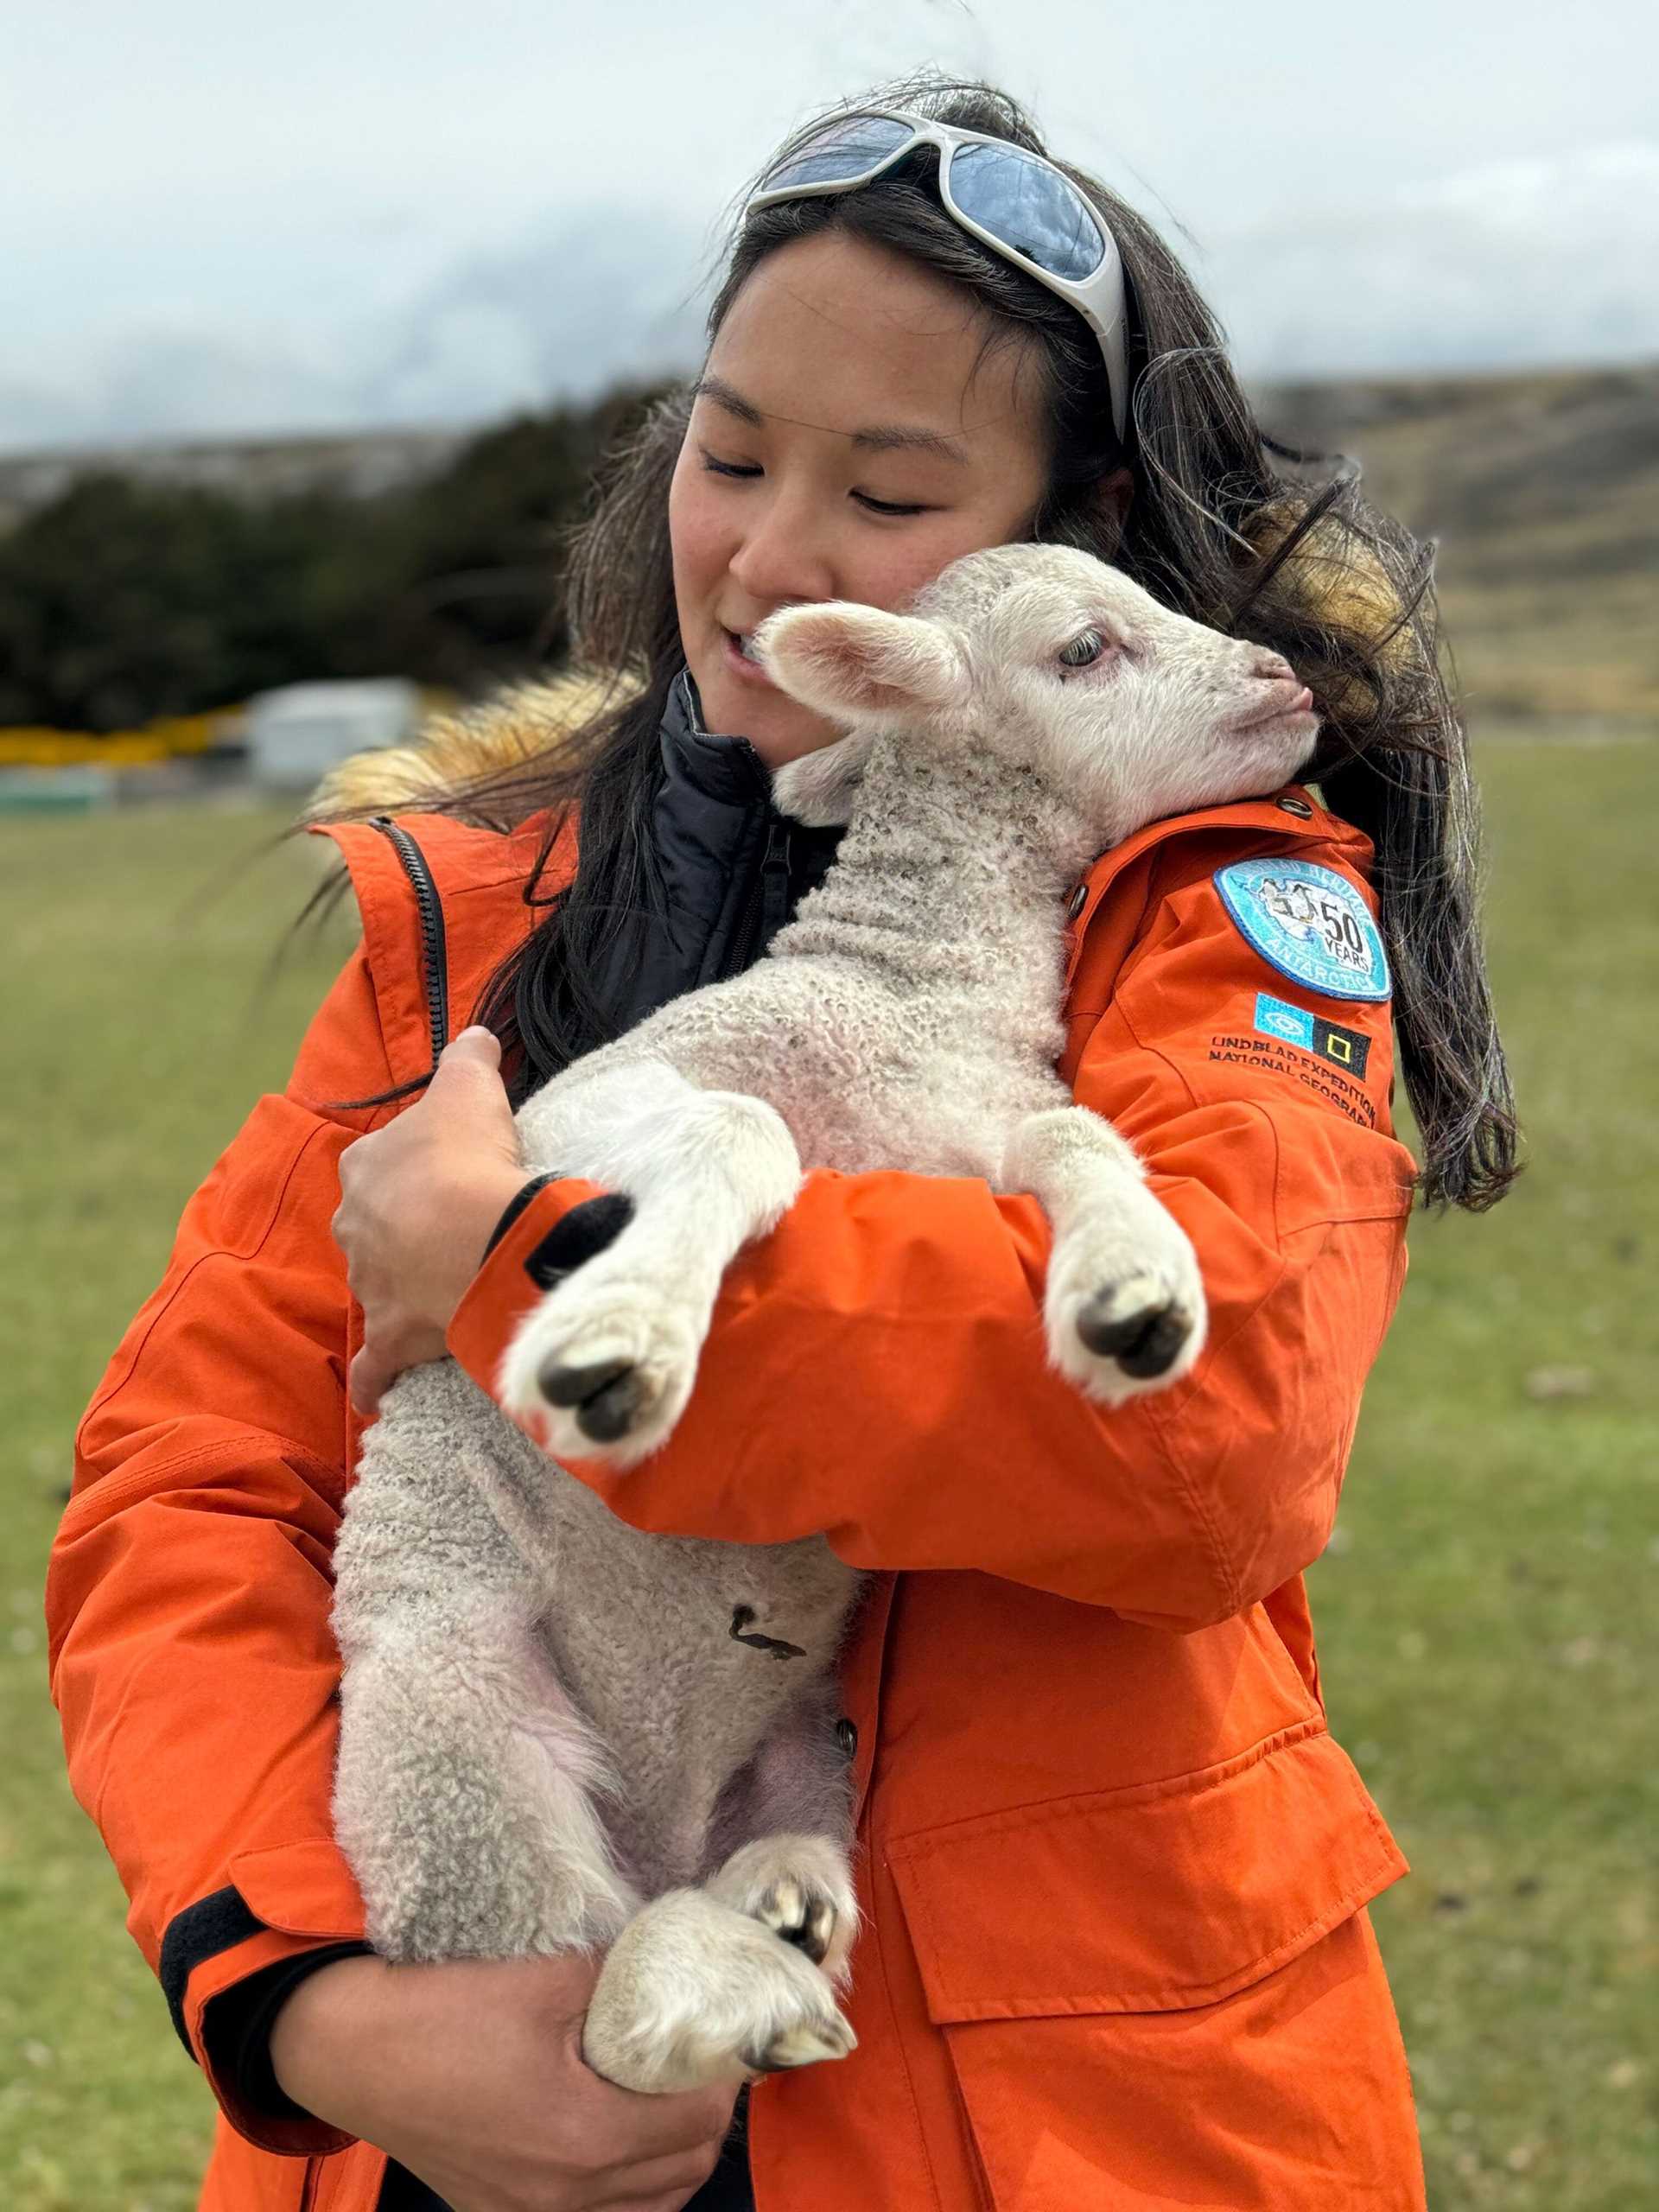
x=1310, y=924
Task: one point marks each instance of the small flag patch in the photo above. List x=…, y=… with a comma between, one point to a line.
x=1312, y=1032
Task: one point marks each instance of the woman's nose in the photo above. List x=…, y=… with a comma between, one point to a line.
x=782, y=558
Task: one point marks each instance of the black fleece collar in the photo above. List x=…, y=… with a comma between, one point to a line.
x=729, y=870
x=726, y=770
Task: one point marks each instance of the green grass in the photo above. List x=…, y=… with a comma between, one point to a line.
x=138, y=1039
x=1489, y=1614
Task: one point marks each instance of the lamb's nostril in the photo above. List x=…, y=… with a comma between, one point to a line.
x=1271, y=667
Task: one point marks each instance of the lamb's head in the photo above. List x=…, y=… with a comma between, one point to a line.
x=1055, y=663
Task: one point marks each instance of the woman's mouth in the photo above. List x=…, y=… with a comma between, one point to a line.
x=741, y=662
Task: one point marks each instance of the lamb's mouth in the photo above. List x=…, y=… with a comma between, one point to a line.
x=1292, y=699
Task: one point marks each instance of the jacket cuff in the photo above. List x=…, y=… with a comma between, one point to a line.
x=516, y=1205
x=236, y=2032
x=278, y=1905
x=531, y=1248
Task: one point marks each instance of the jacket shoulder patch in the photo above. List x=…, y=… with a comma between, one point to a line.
x=1308, y=922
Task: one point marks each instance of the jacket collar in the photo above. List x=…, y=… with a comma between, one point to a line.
x=1290, y=816
x=713, y=825
x=727, y=770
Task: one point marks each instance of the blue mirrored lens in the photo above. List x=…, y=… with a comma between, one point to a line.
x=844, y=151
x=1029, y=208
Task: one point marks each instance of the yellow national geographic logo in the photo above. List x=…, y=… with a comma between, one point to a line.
x=1312, y=1032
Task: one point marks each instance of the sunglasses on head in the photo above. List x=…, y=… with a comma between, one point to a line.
x=1015, y=202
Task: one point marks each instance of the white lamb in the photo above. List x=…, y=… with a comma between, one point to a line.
x=559, y=1734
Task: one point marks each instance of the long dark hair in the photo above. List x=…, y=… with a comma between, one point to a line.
x=1214, y=530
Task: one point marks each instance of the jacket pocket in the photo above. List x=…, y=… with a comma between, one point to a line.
x=1035, y=1931
x=1148, y=1898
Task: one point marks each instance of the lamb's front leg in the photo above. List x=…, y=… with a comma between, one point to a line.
x=605, y=1364
x=1124, y=1308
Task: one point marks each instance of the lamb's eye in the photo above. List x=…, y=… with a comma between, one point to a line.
x=1083, y=650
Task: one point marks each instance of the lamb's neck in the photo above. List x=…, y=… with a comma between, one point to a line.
x=945, y=857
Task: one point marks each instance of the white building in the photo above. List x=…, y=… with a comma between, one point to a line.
x=297, y=735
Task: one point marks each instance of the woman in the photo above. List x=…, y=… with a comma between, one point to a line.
x=1114, y=1867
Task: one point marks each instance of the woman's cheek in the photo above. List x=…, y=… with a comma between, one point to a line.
x=932, y=548
x=694, y=534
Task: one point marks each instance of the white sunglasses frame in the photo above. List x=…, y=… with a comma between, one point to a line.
x=1098, y=299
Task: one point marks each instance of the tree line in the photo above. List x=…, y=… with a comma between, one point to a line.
x=123, y=599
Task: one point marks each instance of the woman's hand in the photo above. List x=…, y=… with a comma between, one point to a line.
x=471, y=2074
x=418, y=1200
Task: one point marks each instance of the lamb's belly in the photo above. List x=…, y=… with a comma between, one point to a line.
x=864, y=1078
x=647, y=1648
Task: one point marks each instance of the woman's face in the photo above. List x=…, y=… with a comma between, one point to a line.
x=840, y=446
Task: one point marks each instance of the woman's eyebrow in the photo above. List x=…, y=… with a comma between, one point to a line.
x=881, y=437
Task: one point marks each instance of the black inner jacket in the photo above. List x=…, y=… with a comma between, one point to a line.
x=730, y=871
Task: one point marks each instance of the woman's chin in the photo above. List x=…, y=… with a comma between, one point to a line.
x=778, y=729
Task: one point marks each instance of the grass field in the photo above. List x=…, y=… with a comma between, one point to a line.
x=1490, y=1609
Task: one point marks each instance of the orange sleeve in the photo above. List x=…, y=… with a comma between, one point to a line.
x=189, y=1593
x=876, y=1370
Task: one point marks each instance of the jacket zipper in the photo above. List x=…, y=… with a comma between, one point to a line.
x=434, y=949
x=768, y=899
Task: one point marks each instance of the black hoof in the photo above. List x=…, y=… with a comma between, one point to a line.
x=758, y=2063
x=814, y=1934
x=609, y=1413
x=1144, y=1344
x=573, y=1385
x=607, y=1395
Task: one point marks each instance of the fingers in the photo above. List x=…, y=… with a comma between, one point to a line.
x=372, y=1377
x=475, y=1052
x=659, y=2184
x=475, y=1043
x=467, y=1082
x=670, y=2195
x=682, y=2125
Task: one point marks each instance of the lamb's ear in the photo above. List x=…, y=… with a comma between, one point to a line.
x=858, y=664
x=819, y=788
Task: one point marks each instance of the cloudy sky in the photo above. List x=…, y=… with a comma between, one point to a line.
x=341, y=213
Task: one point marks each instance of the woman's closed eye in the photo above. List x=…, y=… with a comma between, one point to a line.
x=875, y=507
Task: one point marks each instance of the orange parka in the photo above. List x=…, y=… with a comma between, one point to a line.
x=1114, y=1864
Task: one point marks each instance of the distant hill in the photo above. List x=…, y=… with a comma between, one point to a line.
x=360, y=465
x=1541, y=489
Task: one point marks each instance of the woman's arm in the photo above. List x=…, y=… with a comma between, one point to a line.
x=876, y=1368
x=188, y=1590
x=195, y=1672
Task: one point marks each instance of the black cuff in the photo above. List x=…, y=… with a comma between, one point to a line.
x=236, y=2028
x=516, y=1205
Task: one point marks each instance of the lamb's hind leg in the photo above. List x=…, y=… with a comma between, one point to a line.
x=1124, y=1307
x=693, y=1992
x=466, y=1783
x=605, y=1363
x=465, y=1800
x=737, y=1976
x=780, y=1842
